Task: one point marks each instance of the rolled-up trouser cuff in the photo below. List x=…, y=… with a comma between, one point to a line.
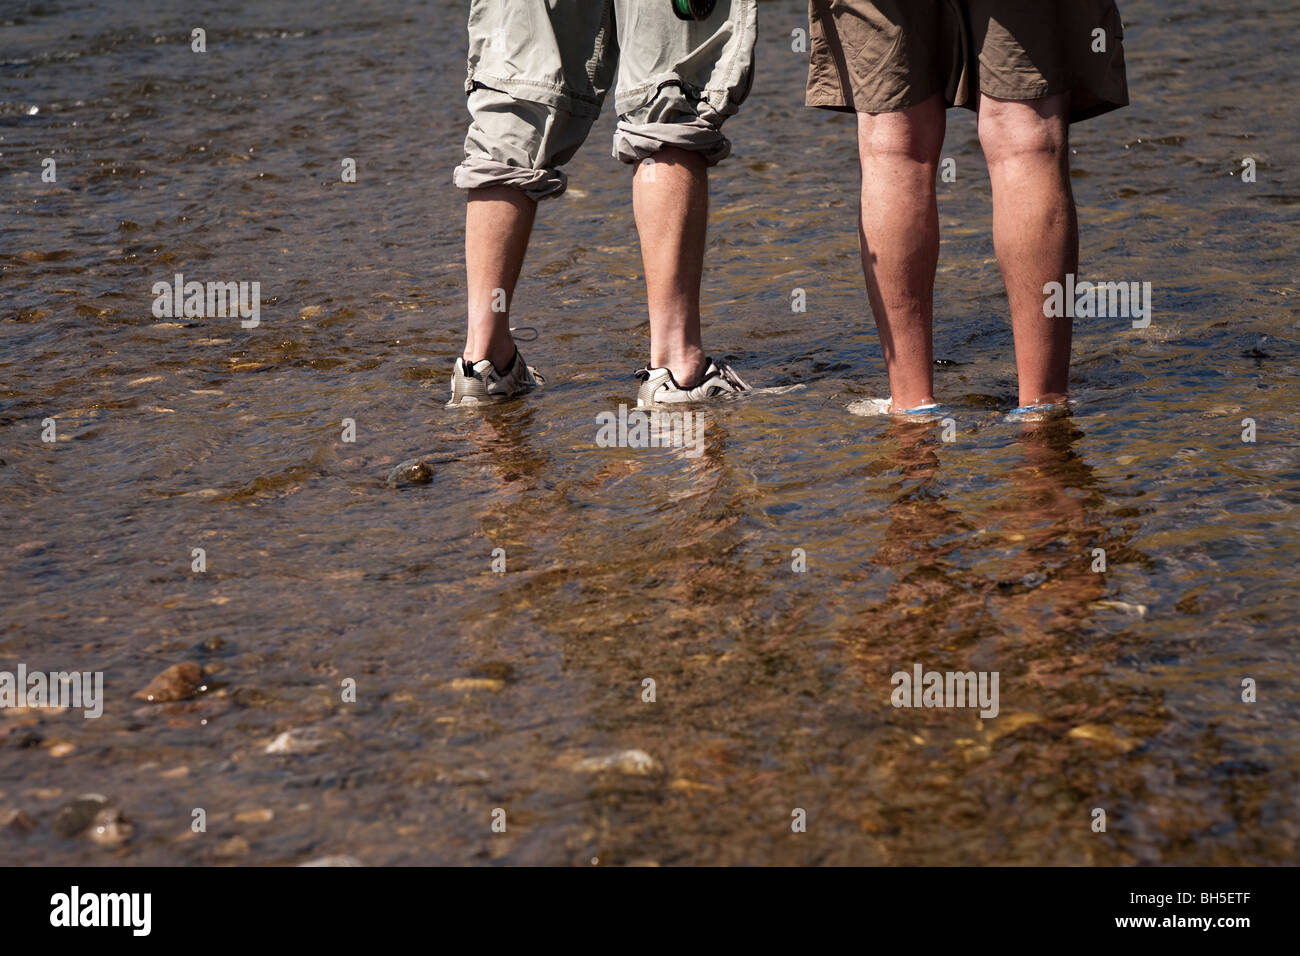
x=476, y=172
x=634, y=142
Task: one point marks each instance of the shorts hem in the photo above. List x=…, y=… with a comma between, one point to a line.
x=538, y=91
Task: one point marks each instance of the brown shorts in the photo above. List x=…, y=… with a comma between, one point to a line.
x=878, y=56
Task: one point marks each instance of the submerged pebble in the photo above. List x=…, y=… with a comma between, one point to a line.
x=235, y=846
x=1101, y=734
x=73, y=817
x=15, y=822
x=333, y=861
x=476, y=683
x=261, y=815
x=95, y=816
x=632, y=762
x=178, y=682
x=299, y=740
x=110, y=827
x=412, y=472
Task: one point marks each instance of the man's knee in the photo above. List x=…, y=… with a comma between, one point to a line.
x=915, y=134
x=1011, y=129
x=690, y=159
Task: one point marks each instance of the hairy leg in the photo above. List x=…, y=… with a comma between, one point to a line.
x=898, y=232
x=670, y=200
x=1035, y=231
x=498, y=222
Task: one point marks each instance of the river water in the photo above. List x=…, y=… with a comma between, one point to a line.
x=475, y=691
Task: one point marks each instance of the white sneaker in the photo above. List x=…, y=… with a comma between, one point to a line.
x=477, y=382
x=658, y=387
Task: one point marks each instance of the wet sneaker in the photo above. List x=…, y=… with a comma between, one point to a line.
x=1039, y=413
x=871, y=407
x=473, y=383
x=658, y=387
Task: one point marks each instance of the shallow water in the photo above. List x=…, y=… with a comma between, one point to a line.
x=478, y=690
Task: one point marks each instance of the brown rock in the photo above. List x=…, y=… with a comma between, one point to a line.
x=1106, y=736
x=635, y=763
x=413, y=472
x=303, y=740
x=73, y=818
x=235, y=846
x=178, y=682
x=94, y=815
x=476, y=683
x=110, y=827
x=15, y=822
x=333, y=861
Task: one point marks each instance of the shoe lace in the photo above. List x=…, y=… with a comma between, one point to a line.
x=729, y=375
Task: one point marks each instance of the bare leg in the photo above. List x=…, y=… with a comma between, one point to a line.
x=498, y=222
x=1035, y=232
x=670, y=200
x=899, y=236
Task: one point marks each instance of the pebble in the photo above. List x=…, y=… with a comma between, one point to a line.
x=15, y=822
x=235, y=846
x=178, y=682
x=94, y=815
x=255, y=816
x=298, y=740
x=410, y=472
x=497, y=670
x=1132, y=610
x=111, y=827
x=333, y=861
x=477, y=683
x=1009, y=724
x=632, y=762
x=74, y=817
x=1098, y=733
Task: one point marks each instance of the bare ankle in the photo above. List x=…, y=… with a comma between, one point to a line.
x=1044, y=398
x=903, y=399
x=687, y=366
x=499, y=351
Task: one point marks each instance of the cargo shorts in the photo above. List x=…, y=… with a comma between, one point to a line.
x=539, y=70
x=878, y=56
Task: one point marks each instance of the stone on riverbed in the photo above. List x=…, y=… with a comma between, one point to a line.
x=414, y=471
x=300, y=740
x=15, y=822
x=94, y=815
x=334, y=861
x=635, y=763
x=178, y=682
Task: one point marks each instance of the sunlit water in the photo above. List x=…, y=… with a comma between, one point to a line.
x=1118, y=690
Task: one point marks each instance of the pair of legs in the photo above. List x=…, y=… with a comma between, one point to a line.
x=670, y=202
x=1035, y=234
